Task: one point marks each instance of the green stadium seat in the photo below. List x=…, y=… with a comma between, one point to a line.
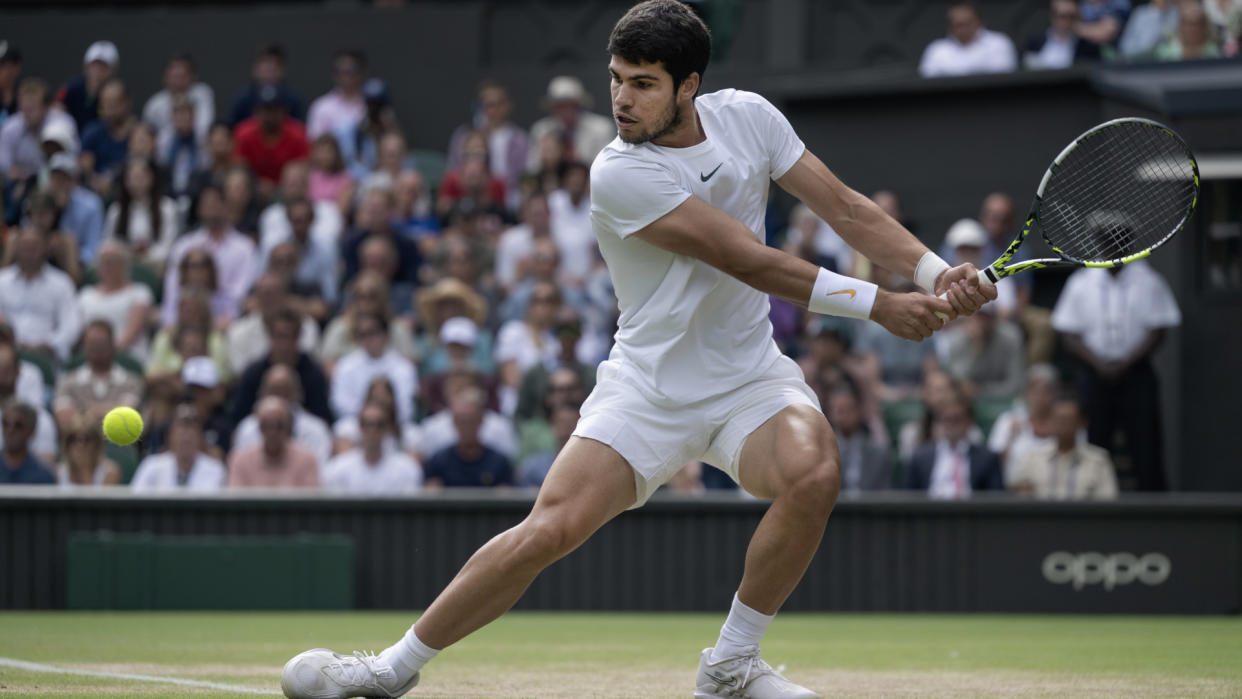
x=140, y=272
x=432, y=164
x=124, y=359
x=45, y=362
x=125, y=457
x=899, y=412
x=987, y=410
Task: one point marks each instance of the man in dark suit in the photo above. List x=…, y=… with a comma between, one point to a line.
x=865, y=464
x=951, y=467
x=1060, y=45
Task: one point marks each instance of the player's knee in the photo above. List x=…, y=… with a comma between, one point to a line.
x=816, y=486
x=541, y=542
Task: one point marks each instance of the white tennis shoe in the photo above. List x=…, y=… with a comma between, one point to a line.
x=744, y=676
x=322, y=674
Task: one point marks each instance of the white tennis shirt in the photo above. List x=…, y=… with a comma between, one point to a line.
x=688, y=331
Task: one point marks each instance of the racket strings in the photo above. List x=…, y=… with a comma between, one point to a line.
x=1124, y=189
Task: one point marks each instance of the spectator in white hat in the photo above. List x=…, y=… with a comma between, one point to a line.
x=201, y=380
x=21, y=137
x=58, y=136
x=80, y=96
x=81, y=210
x=582, y=133
x=967, y=241
x=459, y=337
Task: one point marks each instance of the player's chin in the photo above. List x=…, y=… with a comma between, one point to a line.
x=630, y=133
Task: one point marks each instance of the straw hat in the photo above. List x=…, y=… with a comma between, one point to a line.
x=450, y=288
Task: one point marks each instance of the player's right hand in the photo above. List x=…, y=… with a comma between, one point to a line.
x=911, y=316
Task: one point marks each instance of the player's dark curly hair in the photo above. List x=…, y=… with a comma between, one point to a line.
x=666, y=32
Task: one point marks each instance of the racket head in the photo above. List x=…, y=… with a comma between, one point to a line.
x=1117, y=192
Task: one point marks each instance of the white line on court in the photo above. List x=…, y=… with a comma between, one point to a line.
x=39, y=667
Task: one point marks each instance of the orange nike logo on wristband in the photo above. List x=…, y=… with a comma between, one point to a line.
x=844, y=291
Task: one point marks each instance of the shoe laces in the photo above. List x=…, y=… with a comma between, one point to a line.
x=755, y=667
x=362, y=670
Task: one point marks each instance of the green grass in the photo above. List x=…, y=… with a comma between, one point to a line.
x=1177, y=655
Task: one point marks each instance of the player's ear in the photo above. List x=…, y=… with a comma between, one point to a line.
x=689, y=86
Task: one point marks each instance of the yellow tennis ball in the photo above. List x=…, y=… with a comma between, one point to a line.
x=122, y=425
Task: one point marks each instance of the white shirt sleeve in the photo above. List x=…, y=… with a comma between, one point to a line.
x=784, y=146
x=628, y=194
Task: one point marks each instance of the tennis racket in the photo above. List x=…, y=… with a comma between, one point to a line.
x=1119, y=191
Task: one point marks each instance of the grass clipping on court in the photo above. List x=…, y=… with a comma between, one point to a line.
x=643, y=655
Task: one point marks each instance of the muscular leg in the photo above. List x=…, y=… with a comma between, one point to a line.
x=791, y=459
x=588, y=484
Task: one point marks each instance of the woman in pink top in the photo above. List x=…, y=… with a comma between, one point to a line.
x=329, y=181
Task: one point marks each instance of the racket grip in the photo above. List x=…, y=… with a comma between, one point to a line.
x=983, y=279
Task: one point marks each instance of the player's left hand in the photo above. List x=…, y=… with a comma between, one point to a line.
x=963, y=290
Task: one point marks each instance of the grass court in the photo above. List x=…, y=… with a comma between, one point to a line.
x=549, y=654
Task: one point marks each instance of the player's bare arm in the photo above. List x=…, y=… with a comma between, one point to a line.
x=699, y=230
x=875, y=234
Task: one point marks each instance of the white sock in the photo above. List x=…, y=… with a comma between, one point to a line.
x=743, y=628
x=407, y=656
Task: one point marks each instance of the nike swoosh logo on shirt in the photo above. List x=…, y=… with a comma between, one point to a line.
x=844, y=291
x=708, y=176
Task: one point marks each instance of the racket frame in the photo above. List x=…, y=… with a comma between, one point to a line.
x=999, y=270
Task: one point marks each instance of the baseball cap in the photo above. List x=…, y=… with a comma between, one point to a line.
x=966, y=231
x=458, y=331
x=567, y=88
x=64, y=162
x=102, y=51
x=375, y=90
x=9, y=52
x=200, y=371
x=60, y=132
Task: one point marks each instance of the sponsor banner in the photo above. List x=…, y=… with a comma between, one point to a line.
x=1122, y=565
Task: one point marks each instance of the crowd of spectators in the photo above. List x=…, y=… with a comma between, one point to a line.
x=294, y=298
x=1087, y=31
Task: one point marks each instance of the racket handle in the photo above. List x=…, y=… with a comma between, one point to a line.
x=983, y=279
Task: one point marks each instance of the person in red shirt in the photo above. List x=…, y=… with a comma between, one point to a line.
x=472, y=180
x=270, y=138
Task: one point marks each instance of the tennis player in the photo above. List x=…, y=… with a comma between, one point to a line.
x=677, y=204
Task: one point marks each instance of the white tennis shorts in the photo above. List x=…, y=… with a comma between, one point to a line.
x=658, y=441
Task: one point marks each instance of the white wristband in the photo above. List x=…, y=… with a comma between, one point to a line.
x=925, y=272
x=838, y=295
